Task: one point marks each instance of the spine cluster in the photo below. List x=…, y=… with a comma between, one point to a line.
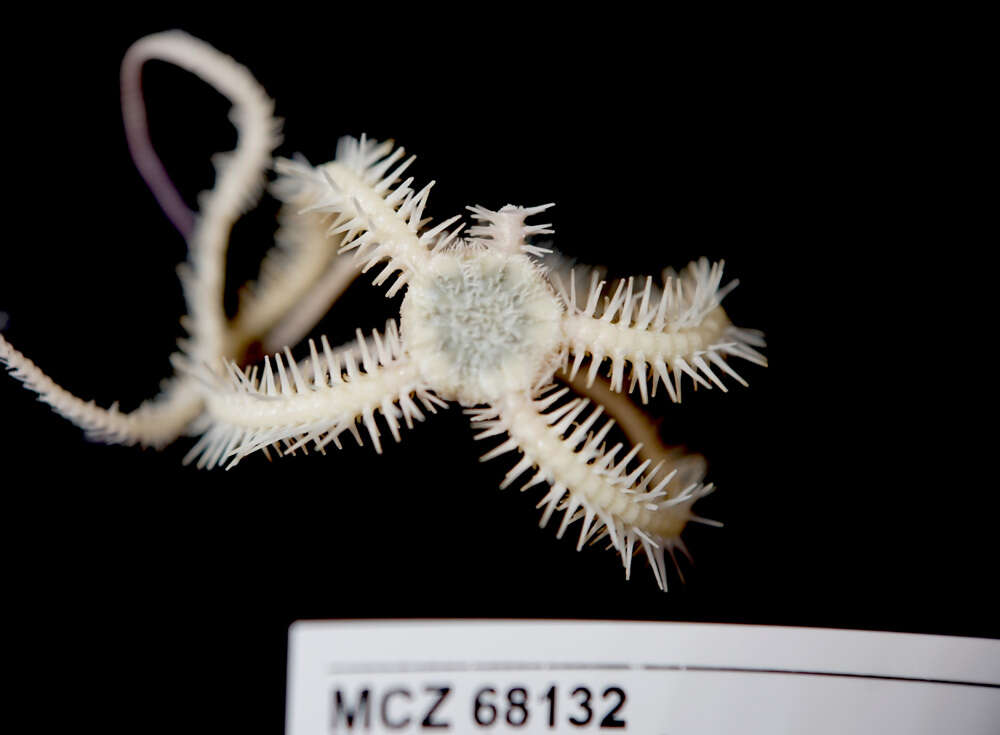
x=664, y=333
x=506, y=231
x=282, y=409
x=380, y=219
x=614, y=496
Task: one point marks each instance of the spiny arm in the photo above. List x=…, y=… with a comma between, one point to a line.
x=381, y=220
x=505, y=229
x=247, y=412
x=640, y=429
x=614, y=496
x=678, y=330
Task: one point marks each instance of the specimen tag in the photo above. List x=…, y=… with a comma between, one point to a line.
x=648, y=678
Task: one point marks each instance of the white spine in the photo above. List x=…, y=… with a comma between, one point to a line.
x=248, y=413
x=640, y=429
x=381, y=220
x=505, y=229
x=664, y=334
x=612, y=497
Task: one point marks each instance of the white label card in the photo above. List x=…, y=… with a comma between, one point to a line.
x=649, y=678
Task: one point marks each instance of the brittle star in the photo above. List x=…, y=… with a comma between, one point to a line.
x=489, y=320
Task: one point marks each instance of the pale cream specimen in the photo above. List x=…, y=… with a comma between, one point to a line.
x=490, y=320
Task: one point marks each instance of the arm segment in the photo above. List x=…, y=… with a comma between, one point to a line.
x=300, y=278
x=155, y=423
x=611, y=496
x=239, y=182
x=665, y=333
x=247, y=413
x=640, y=429
x=381, y=223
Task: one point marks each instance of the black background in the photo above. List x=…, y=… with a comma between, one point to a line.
x=147, y=591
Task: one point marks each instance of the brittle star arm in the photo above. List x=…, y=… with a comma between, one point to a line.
x=238, y=185
x=640, y=429
x=155, y=423
x=380, y=218
x=239, y=174
x=304, y=249
x=615, y=496
x=300, y=279
x=664, y=333
x=239, y=182
x=280, y=408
